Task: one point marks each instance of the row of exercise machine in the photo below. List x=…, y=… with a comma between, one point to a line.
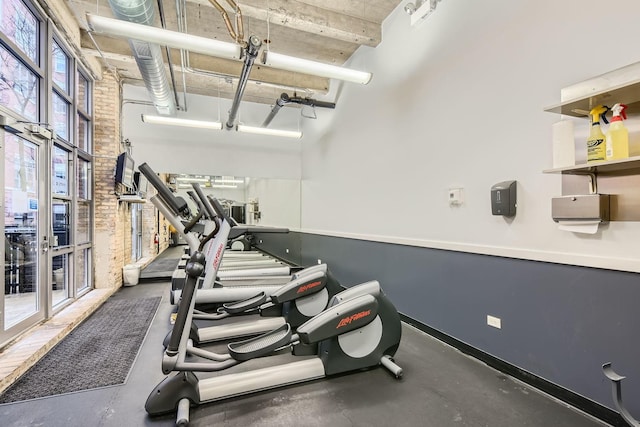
x=269, y=307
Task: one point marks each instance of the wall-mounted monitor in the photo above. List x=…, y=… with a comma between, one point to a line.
x=140, y=183
x=124, y=170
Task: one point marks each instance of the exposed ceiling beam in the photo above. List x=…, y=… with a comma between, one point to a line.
x=311, y=19
x=296, y=15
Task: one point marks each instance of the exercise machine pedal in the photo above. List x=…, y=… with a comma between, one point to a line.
x=263, y=345
x=246, y=304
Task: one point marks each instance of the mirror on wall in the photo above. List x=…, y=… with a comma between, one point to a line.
x=249, y=200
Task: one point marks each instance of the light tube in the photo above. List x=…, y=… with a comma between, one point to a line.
x=228, y=181
x=173, y=39
x=223, y=186
x=290, y=63
x=172, y=121
x=270, y=132
x=191, y=179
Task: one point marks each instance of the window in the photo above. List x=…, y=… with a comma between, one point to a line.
x=60, y=278
x=83, y=230
x=19, y=86
x=41, y=81
x=60, y=173
x=20, y=26
x=83, y=94
x=60, y=75
x=61, y=216
x=83, y=101
x=84, y=138
x=84, y=179
x=60, y=116
x=83, y=271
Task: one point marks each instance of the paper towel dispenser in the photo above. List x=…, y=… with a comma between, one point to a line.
x=590, y=207
x=503, y=198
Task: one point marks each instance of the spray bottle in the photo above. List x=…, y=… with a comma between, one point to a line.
x=618, y=135
x=596, y=147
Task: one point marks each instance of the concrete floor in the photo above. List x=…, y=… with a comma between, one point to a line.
x=441, y=387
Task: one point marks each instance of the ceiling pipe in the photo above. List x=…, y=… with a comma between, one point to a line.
x=286, y=99
x=239, y=36
x=163, y=22
x=251, y=52
x=148, y=56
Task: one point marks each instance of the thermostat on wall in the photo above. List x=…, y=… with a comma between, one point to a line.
x=455, y=196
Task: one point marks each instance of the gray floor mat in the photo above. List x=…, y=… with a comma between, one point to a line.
x=98, y=353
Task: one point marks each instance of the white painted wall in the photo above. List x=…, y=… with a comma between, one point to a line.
x=169, y=149
x=279, y=201
x=458, y=102
x=237, y=194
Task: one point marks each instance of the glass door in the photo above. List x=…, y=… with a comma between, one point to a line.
x=23, y=300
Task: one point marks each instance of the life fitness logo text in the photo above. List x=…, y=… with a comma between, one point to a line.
x=216, y=260
x=347, y=320
x=305, y=288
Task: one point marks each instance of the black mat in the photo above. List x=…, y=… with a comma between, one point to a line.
x=98, y=353
x=160, y=265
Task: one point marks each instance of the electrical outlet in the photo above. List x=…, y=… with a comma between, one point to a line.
x=496, y=322
x=319, y=261
x=286, y=250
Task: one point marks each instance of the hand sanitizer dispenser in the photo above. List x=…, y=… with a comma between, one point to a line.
x=503, y=198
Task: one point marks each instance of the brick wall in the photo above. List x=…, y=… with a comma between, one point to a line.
x=112, y=218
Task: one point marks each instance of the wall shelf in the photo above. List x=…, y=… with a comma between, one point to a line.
x=603, y=167
x=625, y=94
x=621, y=85
x=620, y=179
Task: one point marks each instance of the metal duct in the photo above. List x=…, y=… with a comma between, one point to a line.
x=251, y=51
x=148, y=56
x=286, y=99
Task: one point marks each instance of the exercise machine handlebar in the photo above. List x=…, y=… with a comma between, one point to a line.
x=211, y=213
x=178, y=205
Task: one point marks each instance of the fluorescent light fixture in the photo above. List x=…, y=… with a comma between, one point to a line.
x=223, y=186
x=172, y=121
x=177, y=40
x=228, y=181
x=270, y=132
x=192, y=179
x=305, y=66
x=174, y=39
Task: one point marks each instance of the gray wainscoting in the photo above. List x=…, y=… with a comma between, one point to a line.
x=559, y=322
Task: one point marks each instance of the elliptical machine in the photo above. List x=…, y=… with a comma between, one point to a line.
x=361, y=329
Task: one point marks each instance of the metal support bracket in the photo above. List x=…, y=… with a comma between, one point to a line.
x=593, y=181
x=616, y=381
